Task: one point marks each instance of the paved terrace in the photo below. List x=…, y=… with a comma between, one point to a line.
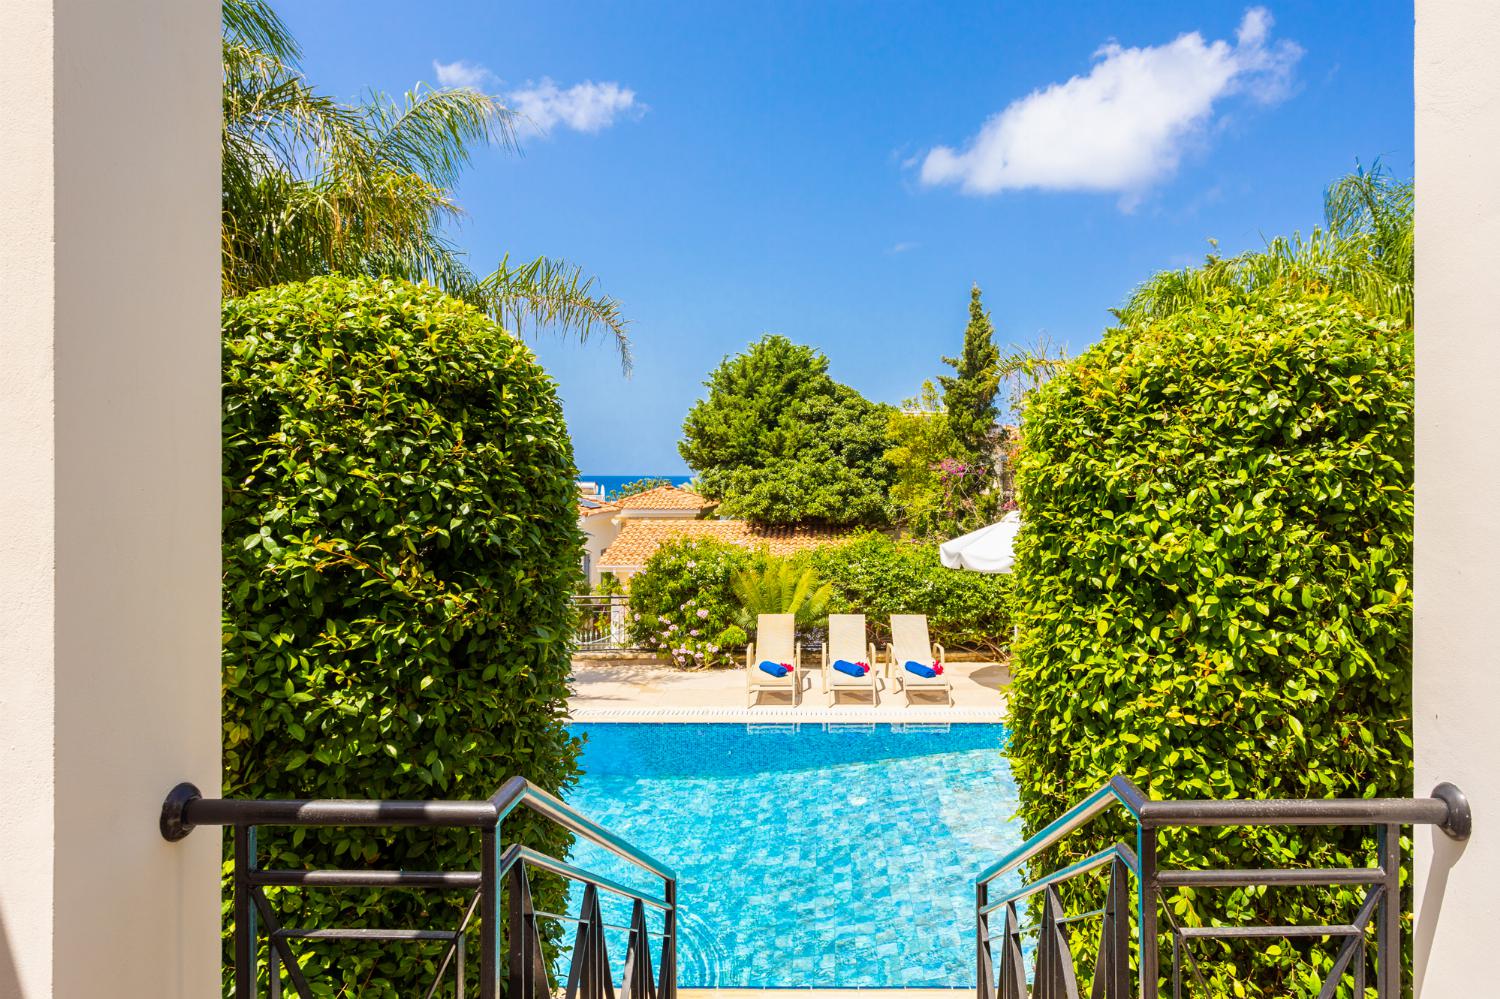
x=645, y=692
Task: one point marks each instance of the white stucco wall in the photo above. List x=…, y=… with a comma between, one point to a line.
x=1456, y=689
x=109, y=454
x=599, y=531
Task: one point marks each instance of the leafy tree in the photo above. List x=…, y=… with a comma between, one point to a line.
x=639, y=486
x=969, y=393
x=1364, y=250
x=778, y=441
x=315, y=186
x=919, y=442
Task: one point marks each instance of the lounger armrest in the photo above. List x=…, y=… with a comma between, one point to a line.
x=797, y=661
x=890, y=659
x=942, y=656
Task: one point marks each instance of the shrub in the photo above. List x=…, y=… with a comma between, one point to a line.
x=681, y=601
x=1213, y=589
x=733, y=638
x=877, y=576
x=399, y=545
x=778, y=587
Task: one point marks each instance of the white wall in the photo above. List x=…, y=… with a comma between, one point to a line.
x=599, y=532
x=109, y=455
x=1456, y=688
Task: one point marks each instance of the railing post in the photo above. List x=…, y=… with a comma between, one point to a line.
x=489, y=914
x=1145, y=848
x=246, y=970
x=983, y=955
x=1388, y=918
x=666, y=978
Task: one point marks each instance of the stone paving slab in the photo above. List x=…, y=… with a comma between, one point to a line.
x=632, y=691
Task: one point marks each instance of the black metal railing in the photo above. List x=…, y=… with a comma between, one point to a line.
x=1054, y=975
x=504, y=871
x=601, y=623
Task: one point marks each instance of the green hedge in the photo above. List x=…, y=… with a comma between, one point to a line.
x=399, y=545
x=878, y=576
x=682, y=605
x=685, y=588
x=1214, y=590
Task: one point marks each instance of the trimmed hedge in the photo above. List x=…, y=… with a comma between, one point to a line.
x=1214, y=591
x=400, y=542
x=878, y=576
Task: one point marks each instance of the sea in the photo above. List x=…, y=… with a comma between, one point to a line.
x=612, y=484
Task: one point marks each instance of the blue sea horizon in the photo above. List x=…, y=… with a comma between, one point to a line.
x=612, y=484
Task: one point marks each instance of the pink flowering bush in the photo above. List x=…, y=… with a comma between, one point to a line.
x=682, y=607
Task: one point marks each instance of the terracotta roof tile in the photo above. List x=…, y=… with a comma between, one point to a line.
x=590, y=507
x=638, y=539
x=666, y=498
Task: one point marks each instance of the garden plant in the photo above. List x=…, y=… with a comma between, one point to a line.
x=400, y=544
x=1213, y=590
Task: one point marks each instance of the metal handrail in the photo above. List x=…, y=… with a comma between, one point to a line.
x=185, y=808
x=1118, y=791
x=1447, y=808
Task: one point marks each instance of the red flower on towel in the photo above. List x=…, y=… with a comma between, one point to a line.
x=937, y=668
x=863, y=666
x=788, y=666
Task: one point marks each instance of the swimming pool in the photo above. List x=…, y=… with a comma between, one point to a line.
x=807, y=855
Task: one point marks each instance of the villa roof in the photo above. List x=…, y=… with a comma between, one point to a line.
x=639, y=539
x=589, y=506
x=666, y=498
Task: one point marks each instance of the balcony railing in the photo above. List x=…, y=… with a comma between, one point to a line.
x=1054, y=973
x=601, y=623
x=504, y=870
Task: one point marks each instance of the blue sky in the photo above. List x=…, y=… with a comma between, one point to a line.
x=825, y=170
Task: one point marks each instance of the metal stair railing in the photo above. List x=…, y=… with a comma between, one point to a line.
x=504, y=871
x=1055, y=973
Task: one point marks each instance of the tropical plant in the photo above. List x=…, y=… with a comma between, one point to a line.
x=1363, y=250
x=682, y=602
x=400, y=542
x=312, y=186
x=778, y=587
x=1213, y=589
x=778, y=441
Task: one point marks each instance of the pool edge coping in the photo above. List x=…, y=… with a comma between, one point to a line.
x=782, y=715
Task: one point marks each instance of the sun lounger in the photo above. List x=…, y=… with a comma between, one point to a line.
x=909, y=643
x=846, y=640
x=775, y=641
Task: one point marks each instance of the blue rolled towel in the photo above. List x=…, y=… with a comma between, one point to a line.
x=845, y=666
x=921, y=669
x=775, y=669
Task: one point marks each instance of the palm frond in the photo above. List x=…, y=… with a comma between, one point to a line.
x=548, y=293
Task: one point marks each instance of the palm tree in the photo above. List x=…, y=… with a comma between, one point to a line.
x=1364, y=249
x=315, y=186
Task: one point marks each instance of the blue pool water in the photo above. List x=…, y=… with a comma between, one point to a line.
x=807, y=856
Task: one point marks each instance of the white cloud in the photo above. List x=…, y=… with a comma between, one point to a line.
x=902, y=248
x=461, y=73
x=583, y=107
x=1126, y=124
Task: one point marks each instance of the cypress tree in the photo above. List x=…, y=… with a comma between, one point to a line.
x=969, y=393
